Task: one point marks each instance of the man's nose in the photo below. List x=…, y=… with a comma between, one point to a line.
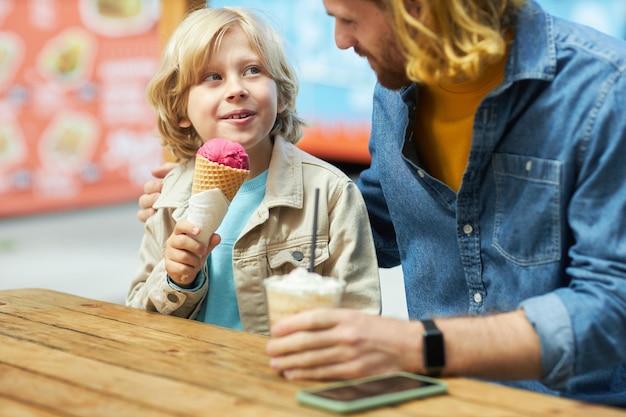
x=343, y=38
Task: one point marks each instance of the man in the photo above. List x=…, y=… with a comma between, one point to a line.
x=497, y=181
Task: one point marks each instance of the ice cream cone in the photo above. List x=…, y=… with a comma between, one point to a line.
x=208, y=175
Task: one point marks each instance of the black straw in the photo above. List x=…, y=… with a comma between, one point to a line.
x=314, y=239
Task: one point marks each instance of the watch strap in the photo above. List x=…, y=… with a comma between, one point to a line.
x=433, y=348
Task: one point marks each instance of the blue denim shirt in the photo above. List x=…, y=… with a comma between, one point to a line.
x=539, y=221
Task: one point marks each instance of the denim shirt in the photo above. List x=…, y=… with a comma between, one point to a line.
x=539, y=221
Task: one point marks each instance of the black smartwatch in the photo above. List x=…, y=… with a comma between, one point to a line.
x=433, y=348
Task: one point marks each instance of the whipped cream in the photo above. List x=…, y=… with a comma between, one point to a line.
x=302, y=280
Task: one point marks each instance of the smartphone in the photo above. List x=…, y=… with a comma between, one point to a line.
x=371, y=392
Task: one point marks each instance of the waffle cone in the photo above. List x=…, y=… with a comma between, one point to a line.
x=208, y=174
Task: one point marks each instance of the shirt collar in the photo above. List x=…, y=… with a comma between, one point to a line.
x=533, y=51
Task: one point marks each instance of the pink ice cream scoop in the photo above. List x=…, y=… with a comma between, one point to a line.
x=220, y=168
x=221, y=164
x=225, y=152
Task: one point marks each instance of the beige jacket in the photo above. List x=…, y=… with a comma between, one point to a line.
x=276, y=239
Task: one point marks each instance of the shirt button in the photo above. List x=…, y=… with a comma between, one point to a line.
x=529, y=165
x=478, y=298
x=297, y=255
x=421, y=173
x=172, y=297
x=468, y=229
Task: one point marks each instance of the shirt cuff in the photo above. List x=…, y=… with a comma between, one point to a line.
x=552, y=322
x=197, y=283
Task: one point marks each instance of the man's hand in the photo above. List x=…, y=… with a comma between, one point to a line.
x=343, y=344
x=152, y=191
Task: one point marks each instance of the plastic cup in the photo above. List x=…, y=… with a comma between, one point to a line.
x=299, y=291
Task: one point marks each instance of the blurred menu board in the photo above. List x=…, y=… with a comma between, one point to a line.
x=75, y=129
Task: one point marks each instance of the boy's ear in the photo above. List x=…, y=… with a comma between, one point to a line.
x=184, y=122
x=281, y=107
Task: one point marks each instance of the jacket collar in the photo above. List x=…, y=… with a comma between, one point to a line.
x=176, y=186
x=285, y=184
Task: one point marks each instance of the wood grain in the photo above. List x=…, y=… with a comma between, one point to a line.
x=63, y=355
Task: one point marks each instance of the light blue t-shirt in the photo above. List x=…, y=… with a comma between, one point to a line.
x=220, y=305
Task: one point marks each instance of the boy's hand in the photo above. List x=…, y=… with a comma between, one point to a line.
x=184, y=255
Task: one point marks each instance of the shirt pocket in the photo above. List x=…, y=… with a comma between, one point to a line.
x=527, y=227
x=288, y=257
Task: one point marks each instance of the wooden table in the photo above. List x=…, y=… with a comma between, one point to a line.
x=63, y=355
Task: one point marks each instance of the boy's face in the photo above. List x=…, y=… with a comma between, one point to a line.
x=363, y=26
x=236, y=98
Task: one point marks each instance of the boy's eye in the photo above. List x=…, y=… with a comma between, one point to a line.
x=252, y=71
x=212, y=77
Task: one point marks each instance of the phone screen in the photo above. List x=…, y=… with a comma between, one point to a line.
x=372, y=388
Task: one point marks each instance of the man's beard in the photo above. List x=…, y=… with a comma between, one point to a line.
x=390, y=68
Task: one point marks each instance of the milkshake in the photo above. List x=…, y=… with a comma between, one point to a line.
x=301, y=290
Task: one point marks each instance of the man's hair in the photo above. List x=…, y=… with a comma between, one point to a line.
x=452, y=40
x=184, y=59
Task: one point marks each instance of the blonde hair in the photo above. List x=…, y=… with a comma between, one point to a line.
x=453, y=40
x=184, y=58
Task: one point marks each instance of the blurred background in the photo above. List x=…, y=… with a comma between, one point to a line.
x=77, y=140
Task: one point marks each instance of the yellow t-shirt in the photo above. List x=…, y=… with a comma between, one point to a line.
x=444, y=124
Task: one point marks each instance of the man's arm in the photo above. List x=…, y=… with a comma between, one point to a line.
x=342, y=344
x=502, y=347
